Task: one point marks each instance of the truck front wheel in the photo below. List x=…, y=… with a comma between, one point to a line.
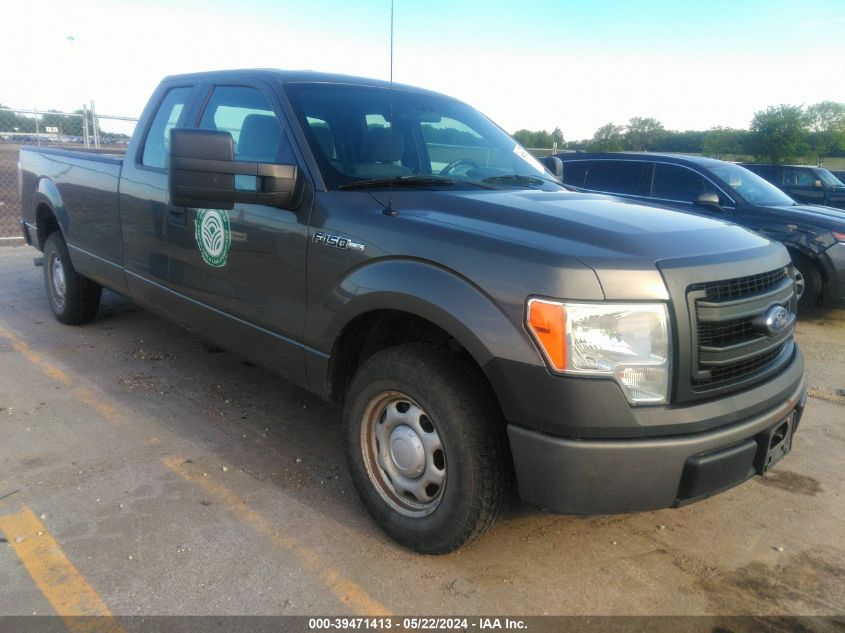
x=808, y=284
x=425, y=447
x=73, y=298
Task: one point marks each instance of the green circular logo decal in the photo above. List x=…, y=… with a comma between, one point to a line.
x=213, y=236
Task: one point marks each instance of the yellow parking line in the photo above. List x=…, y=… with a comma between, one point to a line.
x=103, y=408
x=344, y=589
x=51, y=371
x=35, y=358
x=57, y=578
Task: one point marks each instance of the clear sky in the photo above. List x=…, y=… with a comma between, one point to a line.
x=537, y=64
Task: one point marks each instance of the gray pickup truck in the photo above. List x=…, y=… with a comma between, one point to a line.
x=393, y=250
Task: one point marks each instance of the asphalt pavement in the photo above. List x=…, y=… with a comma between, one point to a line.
x=144, y=471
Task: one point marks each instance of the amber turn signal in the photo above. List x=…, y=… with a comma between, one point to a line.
x=547, y=321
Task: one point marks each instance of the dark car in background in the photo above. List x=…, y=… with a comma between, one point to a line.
x=814, y=235
x=804, y=183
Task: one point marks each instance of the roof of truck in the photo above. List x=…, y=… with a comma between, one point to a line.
x=293, y=76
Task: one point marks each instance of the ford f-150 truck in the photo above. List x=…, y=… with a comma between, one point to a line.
x=391, y=249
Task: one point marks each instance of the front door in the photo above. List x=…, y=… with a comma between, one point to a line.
x=801, y=185
x=679, y=187
x=244, y=269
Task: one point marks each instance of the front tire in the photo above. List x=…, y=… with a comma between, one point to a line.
x=425, y=446
x=74, y=299
x=808, y=284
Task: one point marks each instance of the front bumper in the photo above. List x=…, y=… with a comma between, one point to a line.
x=592, y=476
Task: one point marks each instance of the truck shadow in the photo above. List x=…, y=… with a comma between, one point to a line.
x=270, y=429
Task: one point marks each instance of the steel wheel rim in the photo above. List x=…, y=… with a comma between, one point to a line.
x=403, y=454
x=58, y=282
x=800, y=284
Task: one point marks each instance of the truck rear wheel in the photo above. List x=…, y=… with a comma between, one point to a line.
x=425, y=446
x=73, y=298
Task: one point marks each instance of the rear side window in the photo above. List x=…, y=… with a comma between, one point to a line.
x=673, y=182
x=772, y=174
x=619, y=176
x=798, y=178
x=158, y=136
x=574, y=172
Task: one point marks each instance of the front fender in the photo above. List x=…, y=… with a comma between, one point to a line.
x=427, y=290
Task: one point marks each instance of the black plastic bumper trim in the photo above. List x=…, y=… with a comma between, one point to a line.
x=609, y=476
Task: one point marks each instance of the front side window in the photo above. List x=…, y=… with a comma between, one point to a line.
x=359, y=134
x=619, y=176
x=247, y=115
x=158, y=137
x=829, y=179
x=749, y=185
x=673, y=182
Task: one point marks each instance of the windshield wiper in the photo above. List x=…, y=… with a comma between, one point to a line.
x=400, y=181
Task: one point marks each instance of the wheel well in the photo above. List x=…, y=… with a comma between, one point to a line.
x=811, y=258
x=46, y=222
x=374, y=331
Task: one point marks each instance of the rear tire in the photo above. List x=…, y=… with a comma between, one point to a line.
x=74, y=299
x=808, y=282
x=426, y=448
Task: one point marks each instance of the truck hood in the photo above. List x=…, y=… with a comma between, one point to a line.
x=622, y=241
x=831, y=217
x=591, y=227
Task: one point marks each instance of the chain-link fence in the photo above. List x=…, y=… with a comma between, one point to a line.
x=84, y=128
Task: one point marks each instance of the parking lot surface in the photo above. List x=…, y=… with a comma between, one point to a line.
x=144, y=471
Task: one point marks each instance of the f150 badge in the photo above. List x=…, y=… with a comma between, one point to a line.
x=336, y=241
x=214, y=236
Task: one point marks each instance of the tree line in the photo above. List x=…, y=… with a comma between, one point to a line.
x=778, y=134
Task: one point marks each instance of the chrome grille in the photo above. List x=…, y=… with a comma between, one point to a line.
x=726, y=333
x=739, y=370
x=740, y=286
x=731, y=342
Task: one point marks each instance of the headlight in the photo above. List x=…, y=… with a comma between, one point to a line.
x=628, y=342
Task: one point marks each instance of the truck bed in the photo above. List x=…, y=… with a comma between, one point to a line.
x=83, y=186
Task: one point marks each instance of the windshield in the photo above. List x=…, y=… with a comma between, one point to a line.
x=829, y=179
x=750, y=186
x=360, y=139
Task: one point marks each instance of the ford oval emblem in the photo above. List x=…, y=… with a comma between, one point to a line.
x=776, y=319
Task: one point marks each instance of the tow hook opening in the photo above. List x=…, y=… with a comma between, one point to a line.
x=775, y=443
x=779, y=435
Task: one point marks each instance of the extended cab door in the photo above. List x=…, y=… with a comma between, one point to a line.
x=144, y=208
x=244, y=269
